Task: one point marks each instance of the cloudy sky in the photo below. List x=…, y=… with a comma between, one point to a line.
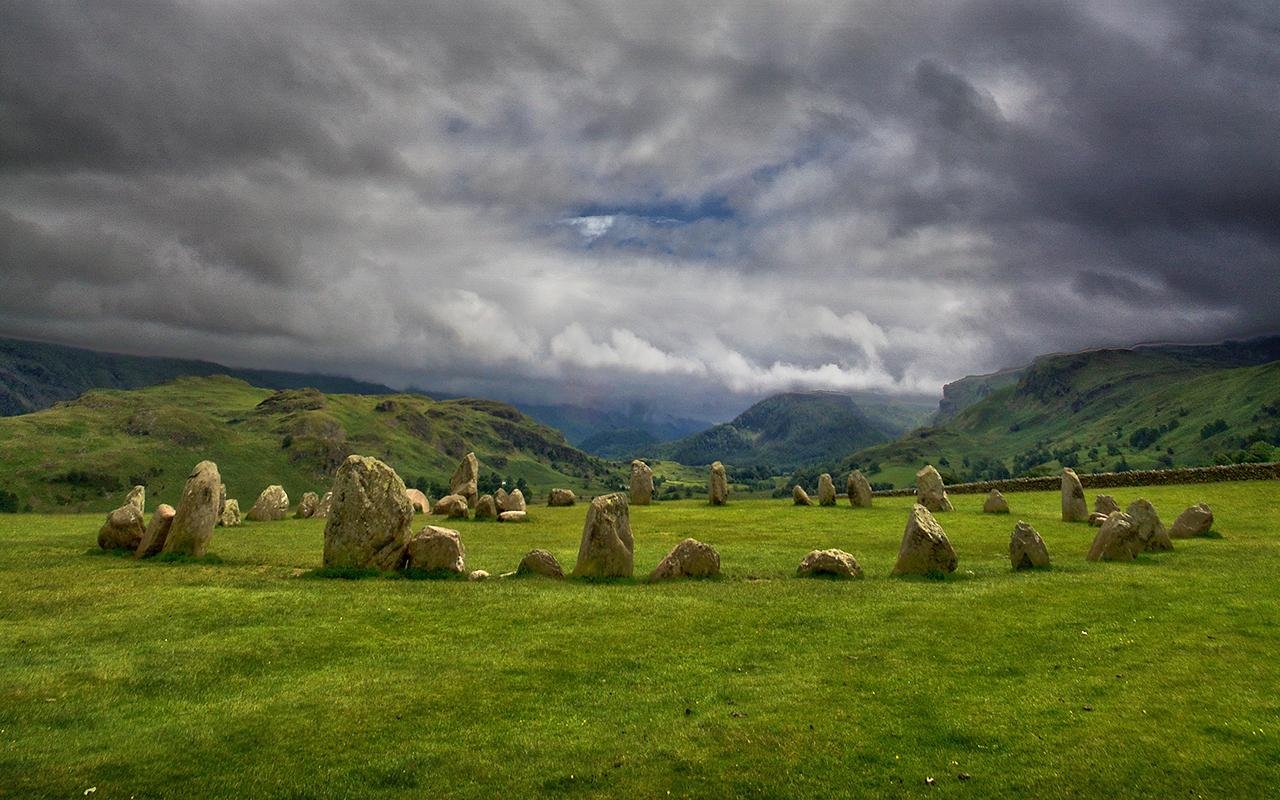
x=691, y=203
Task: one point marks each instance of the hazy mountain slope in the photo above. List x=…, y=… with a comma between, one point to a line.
x=612, y=434
x=84, y=453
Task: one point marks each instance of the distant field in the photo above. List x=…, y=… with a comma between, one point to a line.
x=247, y=678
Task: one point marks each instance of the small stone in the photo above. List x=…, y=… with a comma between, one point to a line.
x=995, y=503
x=561, y=497
x=1097, y=518
x=688, y=559
x=137, y=496
x=1104, y=504
x=540, y=562
x=930, y=491
x=799, y=496
x=451, y=505
x=925, y=549
x=1117, y=539
x=513, y=516
x=832, y=562
x=419, y=501
x=123, y=529
x=486, y=507
x=307, y=505
x=478, y=575
x=513, y=502
x=435, y=549
x=272, y=504
x=1026, y=549
x=1195, y=521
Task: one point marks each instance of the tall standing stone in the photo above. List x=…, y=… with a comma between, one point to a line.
x=718, y=485
x=930, y=491
x=466, y=479
x=606, y=550
x=641, y=483
x=925, y=549
x=157, y=531
x=1074, y=508
x=1026, y=549
x=859, y=490
x=826, y=490
x=272, y=504
x=197, y=513
x=369, y=518
x=138, y=497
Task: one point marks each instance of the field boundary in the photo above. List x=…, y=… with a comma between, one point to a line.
x=1102, y=480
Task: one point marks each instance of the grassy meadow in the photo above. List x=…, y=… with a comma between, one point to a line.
x=246, y=676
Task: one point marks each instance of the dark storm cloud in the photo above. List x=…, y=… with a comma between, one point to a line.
x=685, y=201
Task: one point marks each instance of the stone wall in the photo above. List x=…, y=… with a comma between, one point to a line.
x=1102, y=480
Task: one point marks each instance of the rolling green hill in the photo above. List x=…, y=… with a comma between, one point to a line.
x=1104, y=410
x=83, y=454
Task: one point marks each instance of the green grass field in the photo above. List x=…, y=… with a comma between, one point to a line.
x=246, y=677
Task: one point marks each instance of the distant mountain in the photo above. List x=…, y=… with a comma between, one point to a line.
x=83, y=454
x=612, y=434
x=959, y=395
x=1099, y=410
x=35, y=375
x=795, y=429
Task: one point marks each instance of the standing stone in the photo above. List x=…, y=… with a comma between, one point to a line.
x=138, y=497
x=157, y=531
x=1074, y=508
x=486, y=508
x=540, y=562
x=419, y=501
x=466, y=478
x=930, y=491
x=369, y=519
x=689, y=559
x=307, y=505
x=1151, y=531
x=513, y=516
x=453, y=506
x=436, y=549
x=123, y=529
x=837, y=563
x=925, y=548
x=859, y=490
x=995, y=503
x=1117, y=539
x=513, y=502
x=641, y=483
x=561, y=497
x=607, y=548
x=799, y=496
x=272, y=504
x=230, y=515
x=1104, y=504
x=718, y=485
x=197, y=513
x=1097, y=518
x=500, y=499
x=826, y=490
x=1026, y=549
x=1195, y=521
x=322, y=510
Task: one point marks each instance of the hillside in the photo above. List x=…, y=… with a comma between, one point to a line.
x=612, y=434
x=35, y=375
x=83, y=454
x=1101, y=410
x=786, y=431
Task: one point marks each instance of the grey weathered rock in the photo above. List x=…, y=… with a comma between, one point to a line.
x=369, y=517
x=451, y=505
x=1074, y=508
x=157, y=531
x=607, y=547
x=1151, y=531
x=859, y=490
x=995, y=503
x=688, y=559
x=925, y=549
x=322, y=510
x=826, y=490
x=561, y=497
x=486, y=507
x=465, y=479
x=1026, y=549
x=419, y=501
x=718, y=485
x=123, y=529
x=230, y=517
x=641, y=483
x=1097, y=518
x=513, y=516
x=540, y=562
x=272, y=504
x=435, y=549
x=513, y=502
x=833, y=562
x=500, y=499
x=930, y=491
x=307, y=505
x=197, y=513
x=1117, y=539
x=478, y=575
x=137, y=496
x=1104, y=504
x=1195, y=521
x=799, y=496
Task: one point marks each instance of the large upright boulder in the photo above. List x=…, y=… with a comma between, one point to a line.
x=1195, y=521
x=925, y=549
x=157, y=531
x=930, y=491
x=561, y=497
x=641, y=483
x=718, y=485
x=1151, y=531
x=138, y=497
x=606, y=550
x=369, y=519
x=230, y=516
x=826, y=490
x=438, y=550
x=858, y=489
x=197, y=512
x=466, y=478
x=512, y=502
x=833, y=563
x=689, y=559
x=123, y=529
x=486, y=508
x=1074, y=508
x=799, y=496
x=307, y=505
x=419, y=501
x=1026, y=549
x=1117, y=540
x=272, y=504
x=995, y=503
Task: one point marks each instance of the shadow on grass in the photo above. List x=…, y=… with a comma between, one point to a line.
x=342, y=573
x=182, y=558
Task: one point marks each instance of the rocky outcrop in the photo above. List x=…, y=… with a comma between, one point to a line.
x=540, y=562
x=197, y=513
x=272, y=504
x=1074, y=507
x=688, y=559
x=641, y=483
x=466, y=478
x=834, y=563
x=858, y=489
x=718, y=485
x=436, y=550
x=157, y=531
x=606, y=550
x=930, y=491
x=995, y=503
x=799, y=496
x=925, y=549
x=1195, y=521
x=369, y=518
x=826, y=490
x=1026, y=549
